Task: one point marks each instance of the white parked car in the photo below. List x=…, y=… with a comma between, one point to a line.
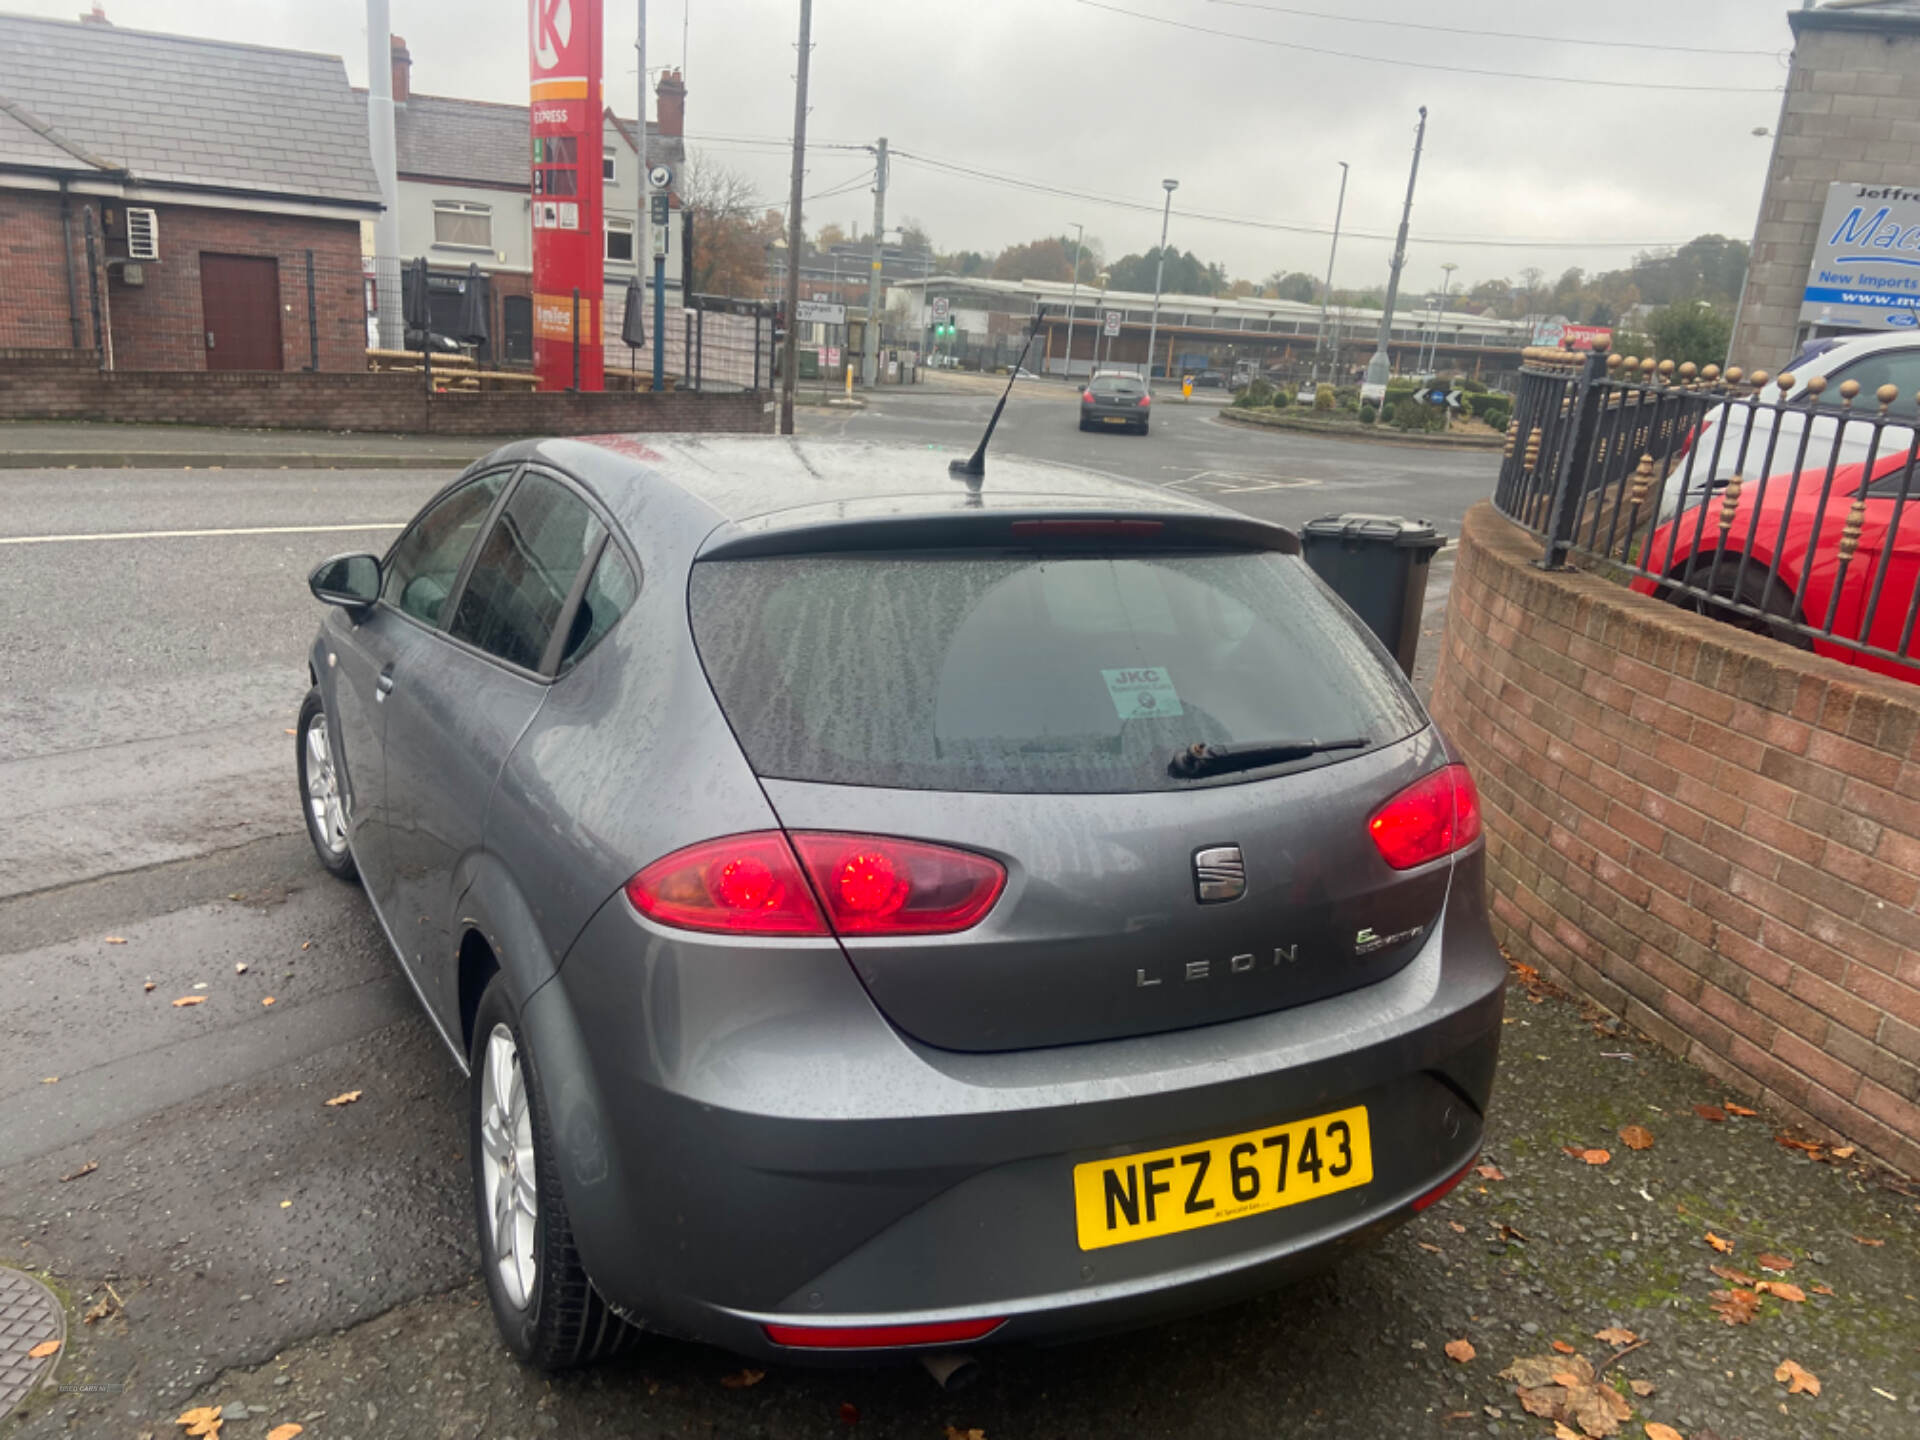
x=1715, y=450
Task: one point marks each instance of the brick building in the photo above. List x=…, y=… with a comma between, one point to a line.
x=1851, y=116
x=223, y=186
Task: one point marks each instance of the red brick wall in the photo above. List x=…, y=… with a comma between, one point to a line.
x=71, y=388
x=161, y=324
x=1710, y=833
x=33, y=279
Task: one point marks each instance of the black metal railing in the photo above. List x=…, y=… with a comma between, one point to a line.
x=1788, y=507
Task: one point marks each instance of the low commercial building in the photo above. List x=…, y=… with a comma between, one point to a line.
x=1194, y=333
x=179, y=204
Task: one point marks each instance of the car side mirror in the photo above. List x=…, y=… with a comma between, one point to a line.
x=350, y=581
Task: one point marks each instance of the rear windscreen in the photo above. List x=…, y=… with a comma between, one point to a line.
x=1117, y=385
x=1074, y=674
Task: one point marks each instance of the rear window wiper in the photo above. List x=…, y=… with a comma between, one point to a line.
x=1200, y=759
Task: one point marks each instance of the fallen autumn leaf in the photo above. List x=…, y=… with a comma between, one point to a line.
x=1637, y=1137
x=347, y=1099
x=1489, y=1172
x=1796, y=1379
x=1563, y=1347
x=116, y=940
x=1736, y=1307
x=743, y=1379
x=1614, y=1335
x=1843, y=1152
x=43, y=1349
x=954, y=1433
x=1642, y=1388
x=1866, y=1240
x=1725, y=1247
x=1784, y=1290
x=186, y=1000
x=1733, y=1276
x=86, y=1169
x=1656, y=1431
x=1713, y=1114
x=1733, y=1109
x=1460, y=1350
x=1779, y=1264
x=148, y=987
x=285, y=1432
x=266, y=999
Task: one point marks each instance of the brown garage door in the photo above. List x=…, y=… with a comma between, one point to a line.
x=240, y=295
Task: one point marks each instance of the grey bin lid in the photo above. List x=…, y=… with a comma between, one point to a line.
x=1394, y=530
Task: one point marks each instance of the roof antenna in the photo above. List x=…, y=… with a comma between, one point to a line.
x=974, y=468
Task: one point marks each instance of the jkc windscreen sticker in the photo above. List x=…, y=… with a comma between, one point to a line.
x=1142, y=694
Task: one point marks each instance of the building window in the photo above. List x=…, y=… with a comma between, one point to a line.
x=463, y=224
x=606, y=166
x=619, y=241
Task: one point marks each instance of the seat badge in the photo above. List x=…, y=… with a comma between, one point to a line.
x=1219, y=874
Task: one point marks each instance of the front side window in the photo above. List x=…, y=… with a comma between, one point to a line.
x=606, y=598
x=426, y=561
x=463, y=223
x=1899, y=368
x=525, y=570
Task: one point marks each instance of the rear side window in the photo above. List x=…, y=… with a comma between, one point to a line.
x=609, y=592
x=1070, y=674
x=524, y=571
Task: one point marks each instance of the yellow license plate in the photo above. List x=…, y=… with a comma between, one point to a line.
x=1116, y=419
x=1162, y=1192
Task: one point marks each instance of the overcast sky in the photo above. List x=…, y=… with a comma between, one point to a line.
x=1086, y=97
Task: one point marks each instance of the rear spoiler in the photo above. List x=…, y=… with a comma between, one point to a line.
x=1070, y=528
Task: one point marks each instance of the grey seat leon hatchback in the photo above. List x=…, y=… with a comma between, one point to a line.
x=880, y=913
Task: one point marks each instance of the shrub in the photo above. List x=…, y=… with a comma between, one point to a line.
x=1367, y=413
x=1282, y=397
x=1257, y=393
x=1495, y=410
x=1387, y=410
x=1418, y=417
x=1346, y=397
x=1472, y=386
x=1324, y=398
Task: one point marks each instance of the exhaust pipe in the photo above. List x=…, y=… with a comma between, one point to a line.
x=952, y=1370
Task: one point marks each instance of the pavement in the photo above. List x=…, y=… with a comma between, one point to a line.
x=173, y=1170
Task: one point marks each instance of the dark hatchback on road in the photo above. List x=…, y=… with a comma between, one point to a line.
x=880, y=912
x=1115, y=400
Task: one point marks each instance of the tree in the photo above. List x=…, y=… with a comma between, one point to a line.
x=830, y=234
x=962, y=262
x=1048, y=258
x=1185, y=274
x=1691, y=330
x=1293, y=285
x=729, y=244
x=1531, y=278
x=914, y=236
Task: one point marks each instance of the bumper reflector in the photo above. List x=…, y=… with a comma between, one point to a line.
x=1439, y=1192
x=876, y=1337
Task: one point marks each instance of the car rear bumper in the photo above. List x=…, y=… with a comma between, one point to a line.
x=796, y=1160
x=1114, y=415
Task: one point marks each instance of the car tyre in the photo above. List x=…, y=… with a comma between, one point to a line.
x=322, y=800
x=1083, y=424
x=1781, y=608
x=544, y=1305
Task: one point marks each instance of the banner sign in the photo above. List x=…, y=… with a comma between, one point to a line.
x=563, y=42
x=1866, y=259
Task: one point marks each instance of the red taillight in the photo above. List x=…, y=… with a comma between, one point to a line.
x=873, y=885
x=1146, y=399
x=742, y=885
x=1087, y=395
x=1432, y=817
x=873, y=1337
x=1439, y=1192
x=870, y=885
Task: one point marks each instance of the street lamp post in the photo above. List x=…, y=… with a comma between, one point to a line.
x=1079, y=233
x=1446, y=294
x=1102, y=278
x=1326, y=294
x=1159, y=273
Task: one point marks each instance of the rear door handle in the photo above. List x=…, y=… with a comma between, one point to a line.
x=383, y=686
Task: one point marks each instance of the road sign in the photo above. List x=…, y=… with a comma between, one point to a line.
x=819, y=313
x=1112, y=325
x=660, y=177
x=942, y=308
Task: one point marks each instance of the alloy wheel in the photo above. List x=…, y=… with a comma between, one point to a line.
x=507, y=1167
x=324, y=801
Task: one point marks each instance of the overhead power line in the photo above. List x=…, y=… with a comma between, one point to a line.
x=1424, y=64
x=1483, y=34
x=1247, y=222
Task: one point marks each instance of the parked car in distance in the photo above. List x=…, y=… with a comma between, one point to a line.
x=1805, y=426
x=1115, y=399
x=1210, y=380
x=881, y=915
x=1781, y=557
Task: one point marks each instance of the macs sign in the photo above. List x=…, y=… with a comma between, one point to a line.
x=563, y=51
x=1866, y=259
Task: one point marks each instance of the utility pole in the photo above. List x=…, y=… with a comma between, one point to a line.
x=870, y=360
x=386, y=225
x=643, y=185
x=796, y=235
x=1326, y=294
x=1446, y=295
x=1379, y=368
x=1159, y=272
x=1079, y=235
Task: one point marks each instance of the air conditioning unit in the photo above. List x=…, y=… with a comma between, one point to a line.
x=143, y=234
x=133, y=276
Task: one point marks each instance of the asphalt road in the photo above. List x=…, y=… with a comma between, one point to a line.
x=151, y=840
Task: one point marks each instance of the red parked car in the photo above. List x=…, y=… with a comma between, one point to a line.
x=1783, y=524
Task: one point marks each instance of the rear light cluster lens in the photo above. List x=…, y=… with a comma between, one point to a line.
x=872, y=1337
x=1146, y=400
x=1087, y=396
x=868, y=885
x=1431, y=818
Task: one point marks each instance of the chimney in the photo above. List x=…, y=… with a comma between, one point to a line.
x=96, y=16
x=402, y=69
x=670, y=103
